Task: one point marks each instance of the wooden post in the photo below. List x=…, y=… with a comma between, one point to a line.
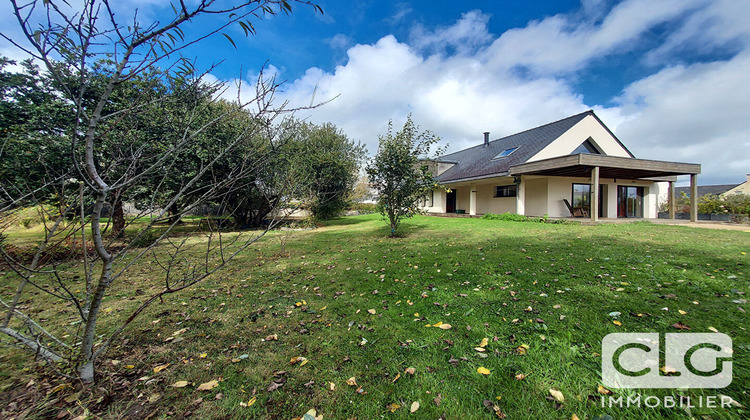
x=671, y=200
x=473, y=200
x=520, y=196
x=594, y=207
x=694, y=198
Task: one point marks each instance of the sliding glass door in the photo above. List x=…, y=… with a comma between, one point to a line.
x=629, y=201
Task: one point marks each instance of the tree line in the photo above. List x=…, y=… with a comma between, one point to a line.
x=312, y=164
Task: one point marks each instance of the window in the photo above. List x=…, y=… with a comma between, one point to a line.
x=581, y=196
x=506, y=152
x=587, y=147
x=505, y=191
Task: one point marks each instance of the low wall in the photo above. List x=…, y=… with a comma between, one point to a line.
x=715, y=217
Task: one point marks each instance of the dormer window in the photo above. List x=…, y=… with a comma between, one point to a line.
x=506, y=152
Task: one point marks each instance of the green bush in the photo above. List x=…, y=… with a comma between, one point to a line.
x=364, y=208
x=508, y=217
x=738, y=203
x=711, y=203
x=512, y=217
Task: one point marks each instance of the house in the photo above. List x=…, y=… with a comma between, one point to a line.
x=722, y=190
x=574, y=166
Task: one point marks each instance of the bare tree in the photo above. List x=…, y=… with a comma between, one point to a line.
x=69, y=43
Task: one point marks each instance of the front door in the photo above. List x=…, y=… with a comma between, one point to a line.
x=450, y=202
x=629, y=201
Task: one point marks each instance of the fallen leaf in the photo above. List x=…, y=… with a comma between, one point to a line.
x=371, y=311
x=618, y=323
x=249, y=403
x=159, y=368
x=180, y=384
x=483, y=371
x=278, y=383
x=682, y=312
x=414, y=407
x=602, y=390
x=410, y=370
x=437, y=400
x=398, y=375
x=272, y=337
x=484, y=342
x=331, y=386
x=574, y=417
x=557, y=395
x=351, y=381
x=392, y=407
x=312, y=414
x=680, y=326
x=445, y=326
x=207, y=386
x=494, y=408
x=480, y=349
x=203, y=355
x=299, y=359
x=522, y=349
x=713, y=329
x=520, y=376
x=668, y=370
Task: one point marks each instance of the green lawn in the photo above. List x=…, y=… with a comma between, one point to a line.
x=355, y=303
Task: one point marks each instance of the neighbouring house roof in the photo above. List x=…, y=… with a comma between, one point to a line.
x=706, y=189
x=480, y=161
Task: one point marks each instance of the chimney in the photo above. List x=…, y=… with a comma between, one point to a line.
x=486, y=138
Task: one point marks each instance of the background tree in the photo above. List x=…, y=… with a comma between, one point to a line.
x=34, y=125
x=71, y=43
x=330, y=165
x=400, y=173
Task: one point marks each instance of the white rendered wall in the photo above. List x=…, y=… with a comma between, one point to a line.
x=571, y=139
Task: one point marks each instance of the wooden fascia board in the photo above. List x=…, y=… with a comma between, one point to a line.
x=676, y=168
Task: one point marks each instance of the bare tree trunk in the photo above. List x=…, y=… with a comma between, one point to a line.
x=118, y=217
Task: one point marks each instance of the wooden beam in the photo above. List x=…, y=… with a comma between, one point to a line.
x=671, y=200
x=634, y=168
x=594, y=208
x=694, y=198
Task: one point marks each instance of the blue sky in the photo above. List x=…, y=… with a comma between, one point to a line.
x=671, y=78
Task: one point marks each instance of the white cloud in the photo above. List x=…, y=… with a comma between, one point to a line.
x=465, y=36
x=697, y=113
x=339, y=42
x=565, y=43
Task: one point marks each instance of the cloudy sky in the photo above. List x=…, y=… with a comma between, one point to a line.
x=671, y=78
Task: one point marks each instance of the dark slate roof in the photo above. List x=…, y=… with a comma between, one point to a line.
x=477, y=161
x=706, y=189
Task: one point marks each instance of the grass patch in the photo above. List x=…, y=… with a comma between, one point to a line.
x=355, y=303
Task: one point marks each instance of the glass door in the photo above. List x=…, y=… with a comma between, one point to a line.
x=629, y=201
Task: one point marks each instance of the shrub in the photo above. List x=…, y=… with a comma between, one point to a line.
x=364, y=208
x=710, y=203
x=512, y=217
x=508, y=217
